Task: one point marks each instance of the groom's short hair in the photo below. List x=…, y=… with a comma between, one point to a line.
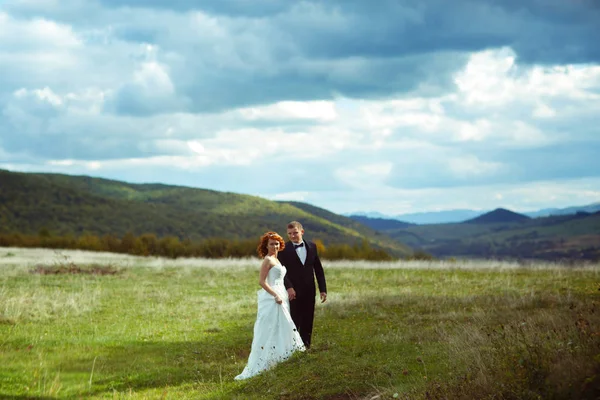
x=295, y=224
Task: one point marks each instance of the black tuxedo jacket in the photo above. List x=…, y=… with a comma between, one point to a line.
x=302, y=277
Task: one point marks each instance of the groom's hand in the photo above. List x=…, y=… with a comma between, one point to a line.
x=323, y=297
x=291, y=293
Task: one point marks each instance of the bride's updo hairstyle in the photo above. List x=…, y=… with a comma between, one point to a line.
x=264, y=241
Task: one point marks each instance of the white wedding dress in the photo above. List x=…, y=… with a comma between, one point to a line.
x=275, y=335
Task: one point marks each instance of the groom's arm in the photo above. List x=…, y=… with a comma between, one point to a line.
x=320, y=274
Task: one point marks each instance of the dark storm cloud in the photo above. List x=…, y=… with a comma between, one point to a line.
x=304, y=80
x=358, y=49
x=549, y=31
x=252, y=52
x=251, y=8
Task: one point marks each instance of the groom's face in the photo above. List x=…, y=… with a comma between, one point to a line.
x=295, y=234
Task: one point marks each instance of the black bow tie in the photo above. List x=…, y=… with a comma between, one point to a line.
x=298, y=245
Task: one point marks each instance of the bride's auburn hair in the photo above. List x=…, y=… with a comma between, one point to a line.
x=264, y=241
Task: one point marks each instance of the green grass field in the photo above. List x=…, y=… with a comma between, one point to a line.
x=181, y=329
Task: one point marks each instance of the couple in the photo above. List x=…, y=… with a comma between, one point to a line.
x=286, y=301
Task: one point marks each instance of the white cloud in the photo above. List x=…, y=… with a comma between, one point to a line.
x=290, y=110
x=149, y=91
x=36, y=33
x=62, y=163
x=364, y=176
x=196, y=146
x=289, y=196
x=493, y=79
x=45, y=95
x=153, y=78
x=476, y=130
x=427, y=115
x=484, y=80
x=175, y=162
x=465, y=167
x=543, y=111
x=525, y=134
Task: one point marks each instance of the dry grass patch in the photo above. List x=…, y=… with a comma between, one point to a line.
x=41, y=304
x=73, y=269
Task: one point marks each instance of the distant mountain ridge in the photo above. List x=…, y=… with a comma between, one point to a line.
x=381, y=223
x=431, y=217
x=499, y=215
x=461, y=215
x=590, y=208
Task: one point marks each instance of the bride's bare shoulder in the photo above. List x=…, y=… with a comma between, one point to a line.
x=270, y=260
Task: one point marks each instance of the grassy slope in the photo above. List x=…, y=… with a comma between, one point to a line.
x=76, y=204
x=184, y=331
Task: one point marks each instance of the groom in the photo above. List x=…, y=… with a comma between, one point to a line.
x=302, y=263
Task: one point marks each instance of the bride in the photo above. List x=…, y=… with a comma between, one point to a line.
x=275, y=335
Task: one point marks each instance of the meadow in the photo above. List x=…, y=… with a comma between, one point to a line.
x=79, y=324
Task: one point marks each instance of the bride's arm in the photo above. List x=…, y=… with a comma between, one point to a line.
x=262, y=280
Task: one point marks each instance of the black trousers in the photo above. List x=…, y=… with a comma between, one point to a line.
x=302, y=310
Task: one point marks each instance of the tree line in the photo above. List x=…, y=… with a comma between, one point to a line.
x=149, y=244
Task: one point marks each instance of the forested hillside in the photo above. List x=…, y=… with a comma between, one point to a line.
x=74, y=205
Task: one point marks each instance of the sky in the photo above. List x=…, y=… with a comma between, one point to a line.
x=351, y=105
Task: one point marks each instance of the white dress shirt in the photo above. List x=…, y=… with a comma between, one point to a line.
x=301, y=251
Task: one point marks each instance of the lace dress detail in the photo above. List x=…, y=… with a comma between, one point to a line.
x=275, y=335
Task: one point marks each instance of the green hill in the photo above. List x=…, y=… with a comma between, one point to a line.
x=75, y=205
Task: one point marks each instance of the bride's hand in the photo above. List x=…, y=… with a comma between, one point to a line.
x=278, y=300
